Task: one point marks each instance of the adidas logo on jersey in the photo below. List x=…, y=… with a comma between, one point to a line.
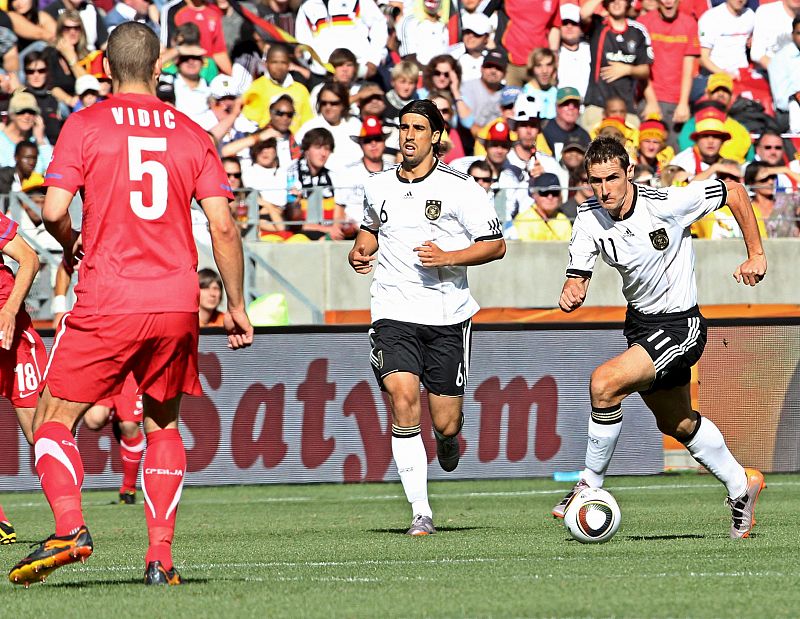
x=627, y=233
x=408, y=196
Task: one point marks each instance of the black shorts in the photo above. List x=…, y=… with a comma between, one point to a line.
x=674, y=342
x=439, y=355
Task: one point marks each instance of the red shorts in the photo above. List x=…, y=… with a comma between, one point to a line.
x=127, y=404
x=93, y=355
x=21, y=367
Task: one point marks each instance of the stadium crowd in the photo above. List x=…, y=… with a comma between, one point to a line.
x=301, y=98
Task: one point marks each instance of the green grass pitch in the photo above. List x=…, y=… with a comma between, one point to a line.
x=339, y=551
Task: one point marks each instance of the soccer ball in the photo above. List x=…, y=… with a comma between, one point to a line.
x=592, y=516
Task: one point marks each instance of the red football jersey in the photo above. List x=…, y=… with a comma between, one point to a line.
x=8, y=230
x=209, y=21
x=137, y=163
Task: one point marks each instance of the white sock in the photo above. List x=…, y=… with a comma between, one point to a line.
x=605, y=425
x=412, y=464
x=708, y=447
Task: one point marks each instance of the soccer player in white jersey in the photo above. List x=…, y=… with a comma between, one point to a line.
x=430, y=223
x=644, y=234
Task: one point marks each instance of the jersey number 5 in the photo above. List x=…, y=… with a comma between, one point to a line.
x=158, y=176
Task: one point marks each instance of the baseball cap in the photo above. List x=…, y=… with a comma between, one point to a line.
x=571, y=12
x=85, y=83
x=710, y=126
x=477, y=23
x=498, y=132
x=544, y=182
x=165, y=91
x=652, y=129
x=370, y=127
x=22, y=100
x=497, y=58
x=568, y=93
x=222, y=86
x=278, y=97
x=574, y=142
x=719, y=80
x=509, y=95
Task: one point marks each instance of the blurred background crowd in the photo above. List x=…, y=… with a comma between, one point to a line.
x=302, y=98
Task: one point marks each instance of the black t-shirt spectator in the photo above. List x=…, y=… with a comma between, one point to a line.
x=48, y=104
x=59, y=76
x=631, y=46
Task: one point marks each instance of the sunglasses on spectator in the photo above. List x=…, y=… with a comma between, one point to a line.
x=775, y=147
x=324, y=102
x=767, y=179
x=186, y=58
x=569, y=22
x=372, y=139
x=473, y=33
x=234, y=174
x=729, y=177
x=74, y=28
x=550, y=193
x=494, y=143
x=283, y=113
x=445, y=111
x=27, y=111
x=441, y=73
x=488, y=180
x=36, y=71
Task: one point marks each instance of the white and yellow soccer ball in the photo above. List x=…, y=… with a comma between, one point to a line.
x=592, y=516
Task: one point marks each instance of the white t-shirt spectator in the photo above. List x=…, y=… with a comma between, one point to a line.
x=423, y=37
x=772, y=30
x=575, y=67
x=726, y=35
x=345, y=150
x=270, y=182
x=191, y=101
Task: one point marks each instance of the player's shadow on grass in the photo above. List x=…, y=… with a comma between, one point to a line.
x=438, y=530
x=113, y=582
x=652, y=538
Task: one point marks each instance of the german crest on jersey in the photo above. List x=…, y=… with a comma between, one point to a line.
x=659, y=239
x=433, y=208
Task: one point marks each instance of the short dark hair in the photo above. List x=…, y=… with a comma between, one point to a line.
x=232, y=160
x=263, y=145
x=340, y=92
x=133, y=50
x=206, y=277
x=428, y=109
x=36, y=56
x=480, y=164
x=23, y=145
x=275, y=48
x=317, y=137
x=752, y=170
x=603, y=149
x=795, y=21
x=342, y=55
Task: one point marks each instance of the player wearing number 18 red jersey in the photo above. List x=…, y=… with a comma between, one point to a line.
x=137, y=163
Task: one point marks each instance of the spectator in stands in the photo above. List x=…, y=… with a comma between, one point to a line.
x=724, y=32
x=572, y=154
x=63, y=59
x=132, y=10
x=279, y=127
x=615, y=127
x=784, y=76
x=25, y=124
x=30, y=24
x=309, y=174
x=498, y=144
x=274, y=82
x=475, y=29
x=452, y=146
x=345, y=69
x=349, y=194
x=720, y=97
x=265, y=174
x=186, y=35
x=279, y=12
x=483, y=95
x=233, y=170
x=223, y=119
x=481, y=171
x=36, y=79
x=772, y=30
x=94, y=29
x=22, y=173
x=333, y=107
x=653, y=148
x=522, y=28
x=403, y=91
x=565, y=124
x=191, y=90
x=423, y=34
x=675, y=48
x=574, y=56
x=543, y=219
x=542, y=68
x=673, y=176
x=207, y=17
x=526, y=123
x=210, y=298
x=87, y=89
x=579, y=192
x=628, y=43
x=770, y=151
x=370, y=100
x=703, y=160
x=360, y=23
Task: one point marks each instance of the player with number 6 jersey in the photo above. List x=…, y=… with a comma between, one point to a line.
x=137, y=164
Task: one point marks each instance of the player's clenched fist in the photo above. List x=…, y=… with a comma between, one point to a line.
x=752, y=270
x=573, y=293
x=360, y=260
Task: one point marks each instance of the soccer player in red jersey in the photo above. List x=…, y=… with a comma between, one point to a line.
x=22, y=353
x=124, y=411
x=137, y=163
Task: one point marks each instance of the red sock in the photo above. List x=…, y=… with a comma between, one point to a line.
x=131, y=450
x=2, y=515
x=162, y=482
x=60, y=470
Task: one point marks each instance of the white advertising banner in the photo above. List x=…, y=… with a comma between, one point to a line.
x=303, y=406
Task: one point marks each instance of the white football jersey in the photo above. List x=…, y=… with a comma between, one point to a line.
x=650, y=247
x=446, y=207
